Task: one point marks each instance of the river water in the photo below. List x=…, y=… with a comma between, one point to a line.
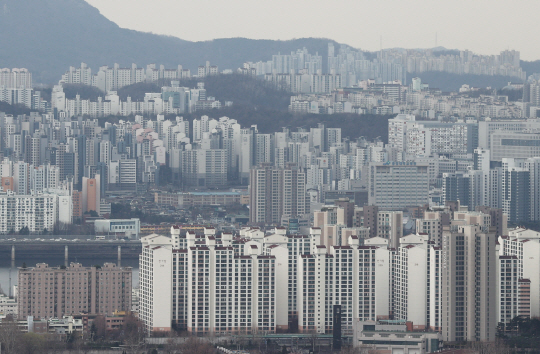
x=5, y=265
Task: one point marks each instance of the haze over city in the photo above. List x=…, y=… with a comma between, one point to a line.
x=483, y=26
x=294, y=177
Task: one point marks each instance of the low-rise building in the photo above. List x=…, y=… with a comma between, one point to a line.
x=8, y=306
x=395, y=337
x=118, y=227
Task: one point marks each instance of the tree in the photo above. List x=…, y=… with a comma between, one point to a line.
x=92, y=213
x=31, y=343
x=9, y=335
x=133, y=333
x=74, y=340
x=24, y=231
x=98, y=330
x=497, y=347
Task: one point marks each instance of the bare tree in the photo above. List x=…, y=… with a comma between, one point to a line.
x=98, y=330
x=31, y=343
x=9, y=335
x=133, y=334
x=497, y=347
x=313, y=338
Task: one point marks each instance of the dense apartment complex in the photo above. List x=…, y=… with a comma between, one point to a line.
x=220, y=283
x=204, y=286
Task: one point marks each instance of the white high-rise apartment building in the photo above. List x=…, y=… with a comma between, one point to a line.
x=14, y=96
x=81, y=75
x=297, y=246
x=525, y=245
x=264, y=148
x=397, y=130
x=105, y=151
x=411, y=280
x=155, y=279
x=15, y=78
x=217, y=284
x=21, y=178
x=44, y=177
x=356, y=277
x=37, y=212
x=206, y=287
x=316, y=273
x=417, y=282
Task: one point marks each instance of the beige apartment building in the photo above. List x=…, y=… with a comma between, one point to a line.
x=58, y=291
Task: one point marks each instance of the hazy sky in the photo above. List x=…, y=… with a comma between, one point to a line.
x=483, y=26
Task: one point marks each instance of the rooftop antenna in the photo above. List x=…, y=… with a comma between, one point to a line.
x=436, y=39
x=380, y=44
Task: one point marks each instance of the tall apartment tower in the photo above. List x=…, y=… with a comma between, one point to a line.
x=508, y=289
x=367, y=216
x=516, y=192
x=155, y=274
x=469, y=278
x=417, y=282
x=358, y=278
x=525, y=245
x=206, y=287
x=275, y=192
x=390, y=226
x=432, y=224
x=33, y=150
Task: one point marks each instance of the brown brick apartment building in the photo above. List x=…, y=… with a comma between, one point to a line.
x=49, y=292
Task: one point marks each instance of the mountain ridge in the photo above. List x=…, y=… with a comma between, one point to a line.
x=48, y=36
